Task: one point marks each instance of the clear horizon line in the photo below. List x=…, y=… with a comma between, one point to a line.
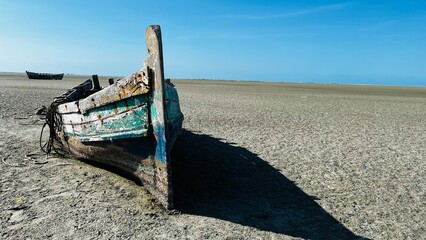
x=241, y=80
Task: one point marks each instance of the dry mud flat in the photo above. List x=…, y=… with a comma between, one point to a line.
x=255, y=161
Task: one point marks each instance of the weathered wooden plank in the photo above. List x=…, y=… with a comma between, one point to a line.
x=132, y=85
x=172, y=104
x=71, y=107
x=106, y=111
x=161, y=186
x=116, y=120
x=127, y=124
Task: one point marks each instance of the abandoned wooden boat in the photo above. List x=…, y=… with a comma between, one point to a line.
x=48, y=76
x=130, y=125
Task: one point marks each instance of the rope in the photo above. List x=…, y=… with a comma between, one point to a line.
x=54, y=123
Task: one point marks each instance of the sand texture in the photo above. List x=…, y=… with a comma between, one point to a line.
x=254, y=161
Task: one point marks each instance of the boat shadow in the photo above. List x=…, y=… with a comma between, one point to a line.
x=220, y=180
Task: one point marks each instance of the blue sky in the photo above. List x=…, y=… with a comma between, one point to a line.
x=360, y=41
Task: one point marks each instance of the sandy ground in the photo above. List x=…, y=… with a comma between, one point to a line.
x=255, y=161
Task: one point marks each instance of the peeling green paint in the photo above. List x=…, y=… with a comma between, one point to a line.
x=126, y=118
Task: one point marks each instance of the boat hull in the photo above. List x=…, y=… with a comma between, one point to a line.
x=135, y=156
x=130, y=125
x=46, y=76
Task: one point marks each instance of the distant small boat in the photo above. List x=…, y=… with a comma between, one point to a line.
x=48, y=76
